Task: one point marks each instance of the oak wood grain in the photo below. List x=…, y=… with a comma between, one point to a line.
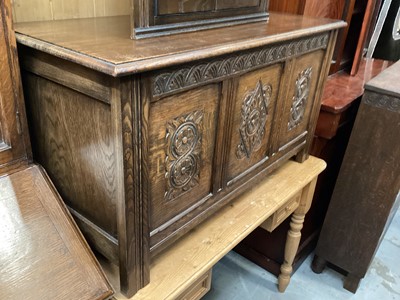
x=162, y=112
x=248, y=116
x=43, y=253
x=95, y=47
x=14, y=137
x=72, y=139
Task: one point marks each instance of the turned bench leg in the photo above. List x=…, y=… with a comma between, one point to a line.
x=294, y=235
x=292, y=244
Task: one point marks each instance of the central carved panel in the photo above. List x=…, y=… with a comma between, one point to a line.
x=254, y=118
x=183, y=154
x=302, y=91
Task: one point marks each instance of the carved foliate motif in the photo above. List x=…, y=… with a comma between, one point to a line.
x=200, y=73
x=300, y=98
x=183, y=153
x=254, y=118
x=382, y=101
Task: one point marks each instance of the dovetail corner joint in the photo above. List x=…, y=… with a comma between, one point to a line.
x=254, y=118
x=300, y=98
x=183, y=154
x=200, y=73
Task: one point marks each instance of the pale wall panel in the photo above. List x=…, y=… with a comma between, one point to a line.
x=32, y=10
x=112, y=7
x=40, y=10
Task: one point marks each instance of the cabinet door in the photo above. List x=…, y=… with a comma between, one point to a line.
x=182, y=138
x=12, y=145
x=168, y=7
x=231, y=4
x=300, y=99
x=254, y=109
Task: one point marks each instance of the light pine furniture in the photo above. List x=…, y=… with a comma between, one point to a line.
x=145, y=139
x=366, y=191
x=183, y=271
x=42, y=253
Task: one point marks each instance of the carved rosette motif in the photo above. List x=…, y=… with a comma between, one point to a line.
x=197, y=74
x=254, y=118
x=300, y=98
x=183, y=154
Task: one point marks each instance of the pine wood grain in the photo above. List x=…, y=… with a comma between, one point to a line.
x=178, y=268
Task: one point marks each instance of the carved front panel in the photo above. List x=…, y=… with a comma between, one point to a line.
x=254, y=109
x=182, y=131
x=183, y=154
x=299, y=100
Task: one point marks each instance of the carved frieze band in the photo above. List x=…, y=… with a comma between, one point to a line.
x=383, y=101
x=254, y=118
x=196, y=74
x=183, y=153
x=300, y=98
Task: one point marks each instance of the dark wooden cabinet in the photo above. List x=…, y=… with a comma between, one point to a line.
x=354, y=12
x=152, y=18
x=146, y=139
x=364, y=198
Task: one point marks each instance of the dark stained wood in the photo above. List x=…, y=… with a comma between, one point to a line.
x=104, y=44
x=364, y=199
x=354, y=12
x=287, y=6
x=177, y=6
x=160, y=17
x=325, y=8
x=160, y=141
x=44, y=255
x=306, y=68
x=250, y=141
x=74, y=134
x=14, y=138
x=229, y=4
x=369, y=10
x=341, y=89
x=131, y=113
x=164, y=207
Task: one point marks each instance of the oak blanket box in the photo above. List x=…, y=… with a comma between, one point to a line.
x=145, y=139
